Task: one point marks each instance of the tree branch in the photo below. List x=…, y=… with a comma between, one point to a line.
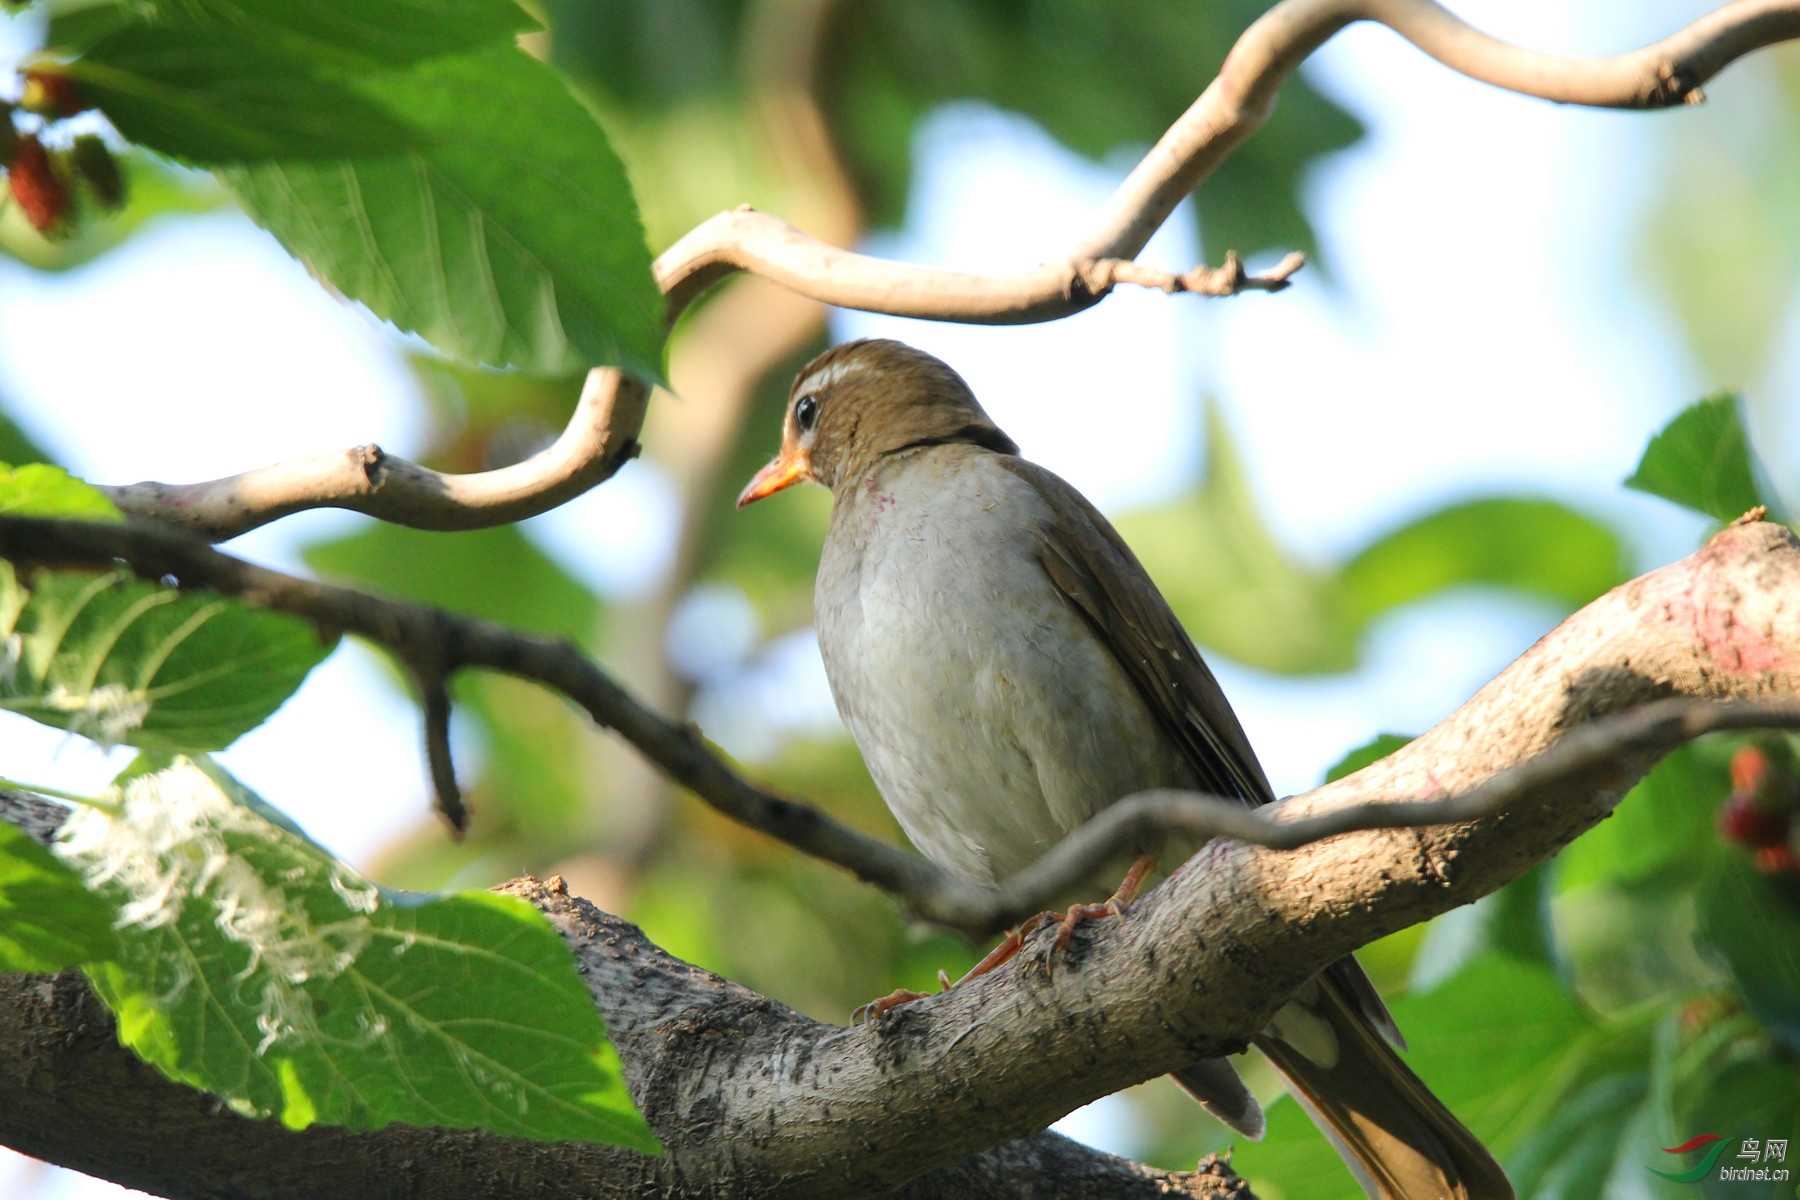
x=63, y=1075
x=417, y=634
x=1232, y=107
x=751, y=1099
x=600, y=438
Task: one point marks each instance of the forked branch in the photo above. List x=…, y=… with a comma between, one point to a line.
x=752, y=1100
x=1666, y=73
x=1616, y=738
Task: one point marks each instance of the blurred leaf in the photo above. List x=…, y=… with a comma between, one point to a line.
x=16, y=446
x=263, y=971
x=495, y=573
x=1753, y=1097
x=1374, y=751
x=1492, y=1042
x=1660, y=835
x=124, y=660
x=1233, y=586
x=1099, y=77
x=41, y=490
x=1239, y=592
x=1534, y=546
x=1753, y=920
x=152, y=190
x=1701, y=460
x=648, y=54
x=499, y=240
x=48, y=918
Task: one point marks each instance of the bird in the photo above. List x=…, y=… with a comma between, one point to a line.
x=1008, y=669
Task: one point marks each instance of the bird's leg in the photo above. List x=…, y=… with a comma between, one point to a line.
x=1115, y=905
x=998, y=956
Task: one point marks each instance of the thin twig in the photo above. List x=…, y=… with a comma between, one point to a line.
x=434, y=698
x=1234, y=105
x=417, y=633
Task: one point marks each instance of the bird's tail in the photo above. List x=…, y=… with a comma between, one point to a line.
x=1397, y=1138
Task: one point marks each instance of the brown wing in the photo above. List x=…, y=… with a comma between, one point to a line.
x=1091, y=565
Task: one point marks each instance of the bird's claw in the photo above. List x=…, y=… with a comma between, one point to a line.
x=874, y=1010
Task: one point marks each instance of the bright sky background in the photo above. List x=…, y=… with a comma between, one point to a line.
x=1483, y=329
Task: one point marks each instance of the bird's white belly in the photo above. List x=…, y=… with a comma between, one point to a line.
x=991, y=717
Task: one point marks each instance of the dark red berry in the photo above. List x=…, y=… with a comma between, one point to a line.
x=1746, y=822
x=9, y=136
x=95, y=164
x=50, y=93
x=41, y=196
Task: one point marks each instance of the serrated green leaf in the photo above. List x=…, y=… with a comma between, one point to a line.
x=258, y=968
x=48, y=918
x=1701, y=460
x=501, y=240
x=211, y=97
x=42, y=490
x=1753, y=921
x=118, y=659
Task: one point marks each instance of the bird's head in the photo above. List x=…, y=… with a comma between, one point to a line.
x=861, y=401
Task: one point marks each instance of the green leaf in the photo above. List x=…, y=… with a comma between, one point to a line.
x=510, y=236
x=1701, y=460
x=1371, y=752
x=1534, y=546
x=1660, y=835
x=41, y=490
x=122, y=660
x=258, y=968
x=397, y=31
x=48, y=918
x=1232, y=584
x=1753, y=921
x=212, y=97
x=1492, y=1042
x=1238, y=591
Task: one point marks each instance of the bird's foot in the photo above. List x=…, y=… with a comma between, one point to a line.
x=874, y=1010
x=1114, y=906
x=1009, y=946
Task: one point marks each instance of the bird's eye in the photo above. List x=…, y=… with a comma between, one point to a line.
x=806, y=413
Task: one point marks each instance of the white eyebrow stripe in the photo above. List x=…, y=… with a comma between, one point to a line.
x=836, y=373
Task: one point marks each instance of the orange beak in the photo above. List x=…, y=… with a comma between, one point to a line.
x=789, y=468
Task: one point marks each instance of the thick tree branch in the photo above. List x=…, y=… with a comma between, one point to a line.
x=753, y=1100
x=435, y=644
x=64, y=1075
x=1231, y=108
x=601, y=437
